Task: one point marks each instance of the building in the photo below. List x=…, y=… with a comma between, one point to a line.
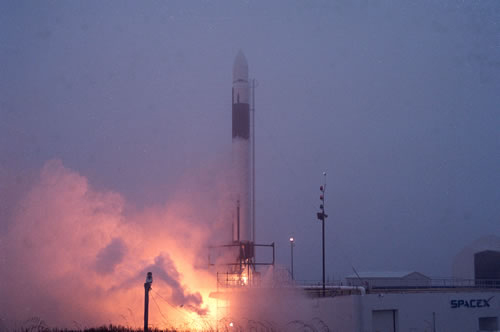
x=371, y=280
x=415, y=310
x=413, y=302
x=480, y=260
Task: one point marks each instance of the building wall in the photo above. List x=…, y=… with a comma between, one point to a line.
x=339, y=313
x=414, y=311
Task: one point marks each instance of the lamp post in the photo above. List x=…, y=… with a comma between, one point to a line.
x=292, y=244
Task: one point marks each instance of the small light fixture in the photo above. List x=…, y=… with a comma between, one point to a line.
x=149, y=278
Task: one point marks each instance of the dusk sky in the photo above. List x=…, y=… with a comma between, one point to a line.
x=397, y=100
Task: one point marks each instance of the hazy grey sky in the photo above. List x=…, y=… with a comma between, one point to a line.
x=398, y=100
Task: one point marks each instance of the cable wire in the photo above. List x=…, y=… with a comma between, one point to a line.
x=161, y=297
x=161, y=313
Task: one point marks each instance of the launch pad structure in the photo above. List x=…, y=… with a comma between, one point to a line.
x=243, y=272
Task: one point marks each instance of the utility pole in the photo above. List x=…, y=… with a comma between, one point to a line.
x=147, y=288
x=292, y=244
x=322, y=216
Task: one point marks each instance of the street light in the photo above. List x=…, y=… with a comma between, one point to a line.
x=292, y=244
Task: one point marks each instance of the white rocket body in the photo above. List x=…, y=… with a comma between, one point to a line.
x=241, y=151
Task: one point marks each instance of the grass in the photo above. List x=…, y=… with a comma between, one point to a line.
x=104, y=328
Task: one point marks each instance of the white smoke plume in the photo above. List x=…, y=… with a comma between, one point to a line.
x=71, y=255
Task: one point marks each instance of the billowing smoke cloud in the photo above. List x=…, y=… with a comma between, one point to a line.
x=165, y=269
x=72, y=255
x=110, y=256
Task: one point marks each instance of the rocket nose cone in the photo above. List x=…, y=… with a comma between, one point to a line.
x=240, y=68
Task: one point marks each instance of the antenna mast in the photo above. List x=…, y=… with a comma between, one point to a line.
x=253, y=161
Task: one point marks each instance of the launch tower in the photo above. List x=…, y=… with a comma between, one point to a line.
x=243, y=269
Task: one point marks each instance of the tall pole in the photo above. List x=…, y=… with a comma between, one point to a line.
x=292, y=244
x=146, y=305
x=323, y=240
x=322, y=216
x=147, y=288
x=253, y=161
x=238, y=220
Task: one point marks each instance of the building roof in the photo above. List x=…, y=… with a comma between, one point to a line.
x=386, y=274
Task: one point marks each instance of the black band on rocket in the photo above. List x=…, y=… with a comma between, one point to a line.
x=241, y=121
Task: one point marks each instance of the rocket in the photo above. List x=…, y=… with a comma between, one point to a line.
x=242, y=157
x=242, y=184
